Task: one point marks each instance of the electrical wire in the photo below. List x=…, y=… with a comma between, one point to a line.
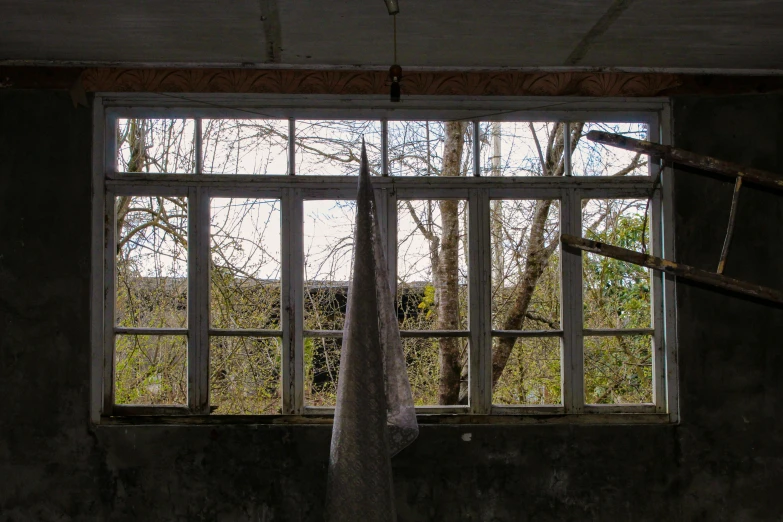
x=394, y=17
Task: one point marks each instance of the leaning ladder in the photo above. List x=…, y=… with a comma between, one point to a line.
x=674, y=155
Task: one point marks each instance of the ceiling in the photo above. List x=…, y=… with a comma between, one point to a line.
x=445, y=34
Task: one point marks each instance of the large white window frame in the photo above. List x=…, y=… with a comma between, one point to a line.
x=292, y=190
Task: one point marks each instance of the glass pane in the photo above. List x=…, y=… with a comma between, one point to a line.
x=321, y=370
x=532, y=373
x=151, y=369
x=333, y=147
x=328, y=250
x=155, y=145
x=245, y=375
x=432, y=264
x=430, y=148
x=242, y=146
x=594, y=159
x=425, y=370
x=525, y=235
x=245, y=273
x=518, y=148
x=616, y=293
x=152, y=261
x=618, y=369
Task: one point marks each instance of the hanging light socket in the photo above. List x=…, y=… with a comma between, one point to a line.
x=395, y=75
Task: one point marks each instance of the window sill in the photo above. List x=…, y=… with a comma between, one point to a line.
x=424, y=419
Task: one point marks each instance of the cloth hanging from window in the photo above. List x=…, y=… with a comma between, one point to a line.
x=375, y=417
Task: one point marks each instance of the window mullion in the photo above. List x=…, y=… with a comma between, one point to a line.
x=99, y=390
x=567, y=149
x=476, y=149
x=292, y=303
x=198, y=148
x=479, y=299
x=198, y=300
x=669, y=283
x=656, y=305
x=109, y=219
x=291, y=146
x=384, y=147
x=572, y=357
x=656, y=281
x=110, y=298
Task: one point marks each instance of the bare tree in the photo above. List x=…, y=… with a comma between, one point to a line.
x=245, y=376
x=447, y=270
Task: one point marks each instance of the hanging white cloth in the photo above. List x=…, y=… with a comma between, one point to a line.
x=375, y=417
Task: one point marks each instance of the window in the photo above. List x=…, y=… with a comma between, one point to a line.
x=223, y=243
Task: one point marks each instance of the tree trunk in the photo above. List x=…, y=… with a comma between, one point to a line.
x=447, y=276
x=538, y=253
x=537, y=259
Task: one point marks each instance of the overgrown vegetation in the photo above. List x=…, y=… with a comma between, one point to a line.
x=433, y=254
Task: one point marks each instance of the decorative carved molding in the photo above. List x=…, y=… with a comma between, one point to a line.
x=375, y=82
x=297, y=81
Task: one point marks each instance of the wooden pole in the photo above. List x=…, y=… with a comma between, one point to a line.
x=670, y=267
x=730, y=230
x=691, y=159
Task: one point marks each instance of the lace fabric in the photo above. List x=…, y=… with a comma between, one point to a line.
x=375, y=417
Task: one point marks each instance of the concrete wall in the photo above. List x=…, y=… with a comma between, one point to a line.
x=723, y=462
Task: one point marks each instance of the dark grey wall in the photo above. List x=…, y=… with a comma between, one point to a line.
x=724, y=462
x=731, y=349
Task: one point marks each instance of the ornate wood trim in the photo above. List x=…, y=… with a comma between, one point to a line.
x=297, y=81
x=375, y=82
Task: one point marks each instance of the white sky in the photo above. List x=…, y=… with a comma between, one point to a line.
x=328, y=225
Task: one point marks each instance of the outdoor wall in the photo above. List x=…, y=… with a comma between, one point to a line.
x=723, y=462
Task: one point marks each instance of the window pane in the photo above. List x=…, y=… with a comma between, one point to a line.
x=333, y=147
x=517, y=148
x=152, y=267
x=432, y=264
x=245, y=375
x=242, y=146
x=616, y=293
x=594, y=159
x=321, y=370
x=424, y=368
x=417, y=148
x=151, y=369
x=525, y=236
x=328, y=250
x=245, y=273
x=618, y=369
x=532, y=373
x=155, y=145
